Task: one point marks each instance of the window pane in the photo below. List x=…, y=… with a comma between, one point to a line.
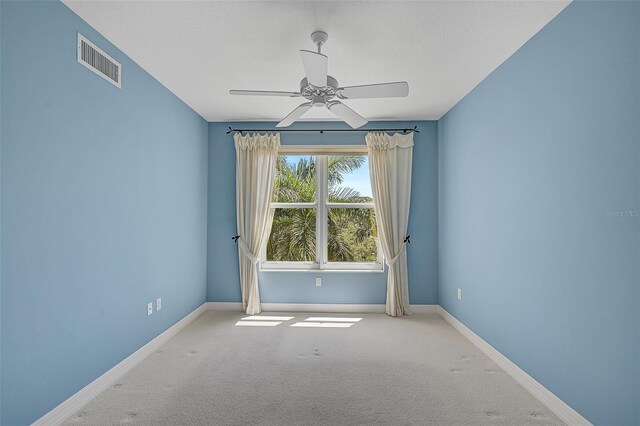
x=352, y=235
x=293, y=236
x=295, y=179
x=349, y=179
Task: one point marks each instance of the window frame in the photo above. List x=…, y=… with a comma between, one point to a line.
x=322, y=206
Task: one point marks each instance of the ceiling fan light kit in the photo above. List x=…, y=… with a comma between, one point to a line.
x=321, y=89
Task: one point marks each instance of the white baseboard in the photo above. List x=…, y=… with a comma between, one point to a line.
x=74, y=403
x=425, y=309
x=224, y=306
x=301, y=307
x=342, y=308
x=544, y=395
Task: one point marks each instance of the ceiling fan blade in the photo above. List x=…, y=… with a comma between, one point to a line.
x=383, y=90
x=316, y=66
x=294, y=115
x=347, y=115
x=264, y=93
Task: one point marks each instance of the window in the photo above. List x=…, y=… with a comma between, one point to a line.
x=323, y=212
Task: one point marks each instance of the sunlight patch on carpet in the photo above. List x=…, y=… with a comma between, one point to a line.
x=333, y=319
x=266, y=318
x=258, y=323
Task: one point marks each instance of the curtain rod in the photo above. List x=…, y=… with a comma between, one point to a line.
x=415, y=130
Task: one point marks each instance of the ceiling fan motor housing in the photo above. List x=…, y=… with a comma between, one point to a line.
x=319, y=38
x=319, y=96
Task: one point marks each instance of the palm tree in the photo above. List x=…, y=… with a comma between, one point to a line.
x=351, y=230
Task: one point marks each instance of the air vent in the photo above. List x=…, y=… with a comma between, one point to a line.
x=99, y=62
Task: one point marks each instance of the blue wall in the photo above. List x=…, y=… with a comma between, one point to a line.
x=0, y=215
x=299, y=287
x=536, y=165
x=103, y=210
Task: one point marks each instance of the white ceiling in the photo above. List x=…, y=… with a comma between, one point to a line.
x=201, y=49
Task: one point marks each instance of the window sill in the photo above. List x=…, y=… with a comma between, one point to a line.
x=319, y=271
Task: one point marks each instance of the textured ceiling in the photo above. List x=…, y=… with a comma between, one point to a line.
x=201, y=49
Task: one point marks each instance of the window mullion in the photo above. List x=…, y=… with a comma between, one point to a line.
x=318, y=211
x=321, y=249
x=350, y=205
x=325, y=210
x=292, y=205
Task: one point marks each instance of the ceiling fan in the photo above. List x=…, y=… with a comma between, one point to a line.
x=321, y=89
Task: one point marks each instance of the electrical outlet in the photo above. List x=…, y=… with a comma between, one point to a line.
x=149, y=309
x=459, y=294
x=158, y=303
x=318, y=281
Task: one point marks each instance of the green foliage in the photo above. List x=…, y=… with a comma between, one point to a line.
x=352, y=231
x=293, y=235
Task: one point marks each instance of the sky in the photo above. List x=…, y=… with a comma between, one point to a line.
x=358, y=180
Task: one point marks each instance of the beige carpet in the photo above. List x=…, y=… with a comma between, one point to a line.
x=380, y=370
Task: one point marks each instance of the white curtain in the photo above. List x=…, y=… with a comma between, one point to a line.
x=256, y=157
x=390, y=170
